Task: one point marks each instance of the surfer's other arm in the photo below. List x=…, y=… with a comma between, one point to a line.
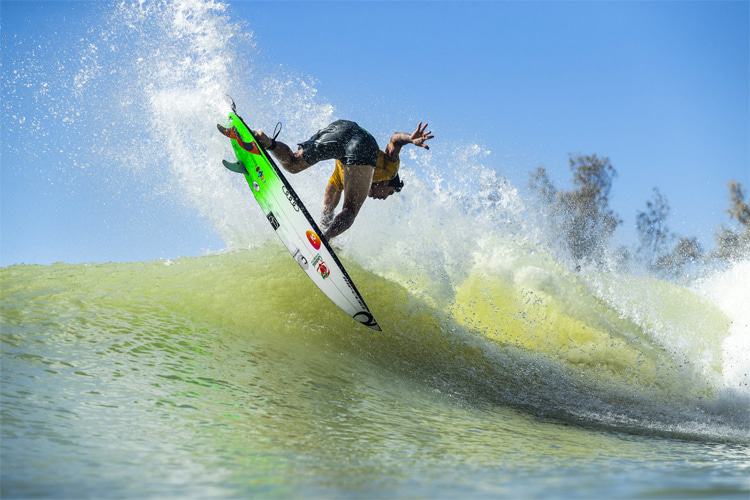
x=330, y=202
x=400, y=139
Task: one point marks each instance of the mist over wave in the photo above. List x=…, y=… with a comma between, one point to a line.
x=150, y=81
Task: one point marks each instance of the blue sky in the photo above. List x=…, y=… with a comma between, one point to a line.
x=661, y=88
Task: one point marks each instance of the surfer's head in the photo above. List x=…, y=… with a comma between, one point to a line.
x=383, y=189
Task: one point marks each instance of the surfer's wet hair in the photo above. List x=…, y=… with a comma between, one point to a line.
x=396, y=183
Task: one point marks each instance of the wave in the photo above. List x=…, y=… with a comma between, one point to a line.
x=537, y=342
x=457, y=276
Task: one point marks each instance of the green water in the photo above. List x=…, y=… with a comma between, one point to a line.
x=233, y=376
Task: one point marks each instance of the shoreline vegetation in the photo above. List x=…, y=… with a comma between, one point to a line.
x=584, y=223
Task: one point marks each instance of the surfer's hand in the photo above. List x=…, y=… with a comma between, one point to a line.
x=262, y=139
x=419, y=136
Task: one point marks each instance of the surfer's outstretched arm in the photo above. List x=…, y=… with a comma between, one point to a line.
x=292, y=161
x=400, y=139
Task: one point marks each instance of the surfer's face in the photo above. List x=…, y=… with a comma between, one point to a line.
x=381, y=190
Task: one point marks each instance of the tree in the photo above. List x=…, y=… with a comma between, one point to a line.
x=655, y=236
x=686, y=250
x=581, y=216
x=731, y=244
x=540, y=183
x=652, y=228
x=738, y=208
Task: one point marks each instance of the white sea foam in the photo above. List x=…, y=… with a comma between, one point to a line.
x=730, y=291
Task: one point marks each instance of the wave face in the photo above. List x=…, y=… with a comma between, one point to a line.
x=234, y=369
x=231, y=374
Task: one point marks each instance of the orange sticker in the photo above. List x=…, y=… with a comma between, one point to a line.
x=314, y=239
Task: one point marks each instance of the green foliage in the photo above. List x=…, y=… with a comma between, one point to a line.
x=581, y=216
x=734, y=244
x=738, y=209
x=653, y=231
x=686, y=250
x=583, y=222
x=654, y=235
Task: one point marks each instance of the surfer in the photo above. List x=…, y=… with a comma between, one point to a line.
x=362, y=168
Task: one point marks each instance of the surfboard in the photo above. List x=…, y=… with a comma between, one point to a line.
x=292, y=222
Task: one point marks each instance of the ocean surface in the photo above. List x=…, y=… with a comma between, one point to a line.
x=231, y=375
x=501, y=371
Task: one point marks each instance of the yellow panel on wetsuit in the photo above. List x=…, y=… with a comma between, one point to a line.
x=384, y=171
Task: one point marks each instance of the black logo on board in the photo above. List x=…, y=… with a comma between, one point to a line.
x=272, y=219
x=365, y=318
x=290, y=197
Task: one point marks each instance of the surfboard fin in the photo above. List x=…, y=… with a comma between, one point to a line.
x=232, y=133
x=238, y=167
x=229, y=132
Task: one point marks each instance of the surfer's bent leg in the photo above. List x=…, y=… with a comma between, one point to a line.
x=357, y=182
